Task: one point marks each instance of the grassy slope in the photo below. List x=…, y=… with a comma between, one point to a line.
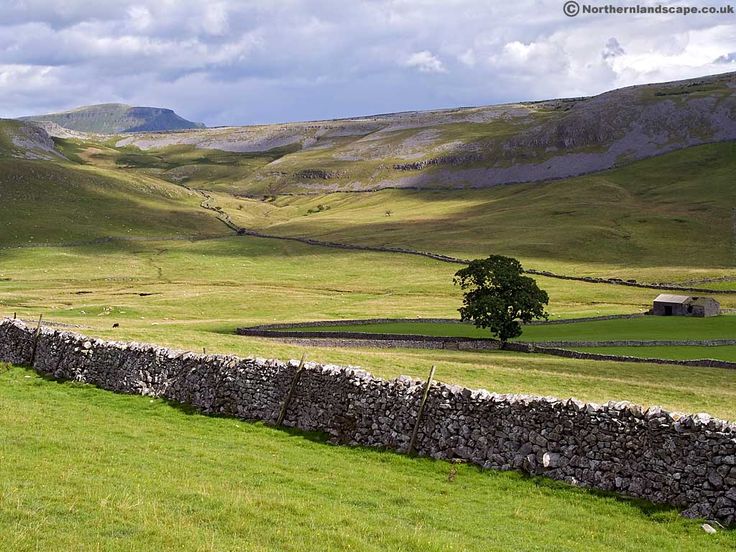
x=152, y=477
x=666, y=217
x=43, y=201
x=183, y=164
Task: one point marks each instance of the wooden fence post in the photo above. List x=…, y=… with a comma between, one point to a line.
x=290, y=394
x=413, y=441
x=36, y=335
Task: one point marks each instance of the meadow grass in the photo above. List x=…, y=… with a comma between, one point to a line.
x=85, y=469
x=649, y=328
x=50, y=202
x=720, y=352
x=250, y=280
x=193, y=295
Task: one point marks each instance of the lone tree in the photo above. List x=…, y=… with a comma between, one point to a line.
x=497, y=296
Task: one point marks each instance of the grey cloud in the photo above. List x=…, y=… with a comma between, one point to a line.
x=612, y=49
x=726, y=58
x=234, y=61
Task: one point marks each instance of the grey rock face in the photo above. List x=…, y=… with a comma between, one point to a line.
x=688, y=461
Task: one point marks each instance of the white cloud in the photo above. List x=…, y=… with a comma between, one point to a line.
x=468, y=57
x=215, y=19
x=140, y=17
x=26, y=76
x=426, y=62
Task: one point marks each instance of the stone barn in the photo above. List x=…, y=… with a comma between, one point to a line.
x=684, y=305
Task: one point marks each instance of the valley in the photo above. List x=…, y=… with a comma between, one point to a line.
x=134, y=236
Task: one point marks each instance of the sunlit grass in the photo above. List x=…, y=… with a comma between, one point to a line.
x=84, y=469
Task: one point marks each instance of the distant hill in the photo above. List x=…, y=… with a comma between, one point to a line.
x=115, y=118
x=474, y=147
x=652, y=210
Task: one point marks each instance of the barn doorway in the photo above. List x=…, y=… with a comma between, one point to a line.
x=668, y=310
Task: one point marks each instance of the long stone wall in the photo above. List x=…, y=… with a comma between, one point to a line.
x=561, y=348
x=688, y=461
x=365, y=321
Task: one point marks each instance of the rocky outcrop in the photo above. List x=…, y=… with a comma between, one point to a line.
x=23, y=140
x=451, y=160
x=688, y=461
x=320, y=174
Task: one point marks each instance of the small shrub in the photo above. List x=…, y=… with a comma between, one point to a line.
x=320, y=207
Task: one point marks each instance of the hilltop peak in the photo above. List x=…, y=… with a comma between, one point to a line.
x=114, y=118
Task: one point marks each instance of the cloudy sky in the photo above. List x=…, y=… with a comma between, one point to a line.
x=251, y=61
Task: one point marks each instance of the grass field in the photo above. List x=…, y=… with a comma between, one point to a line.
x=248, y=280
x=721, y=352
x=192, y=295
x=152, y=477
x=650, y=328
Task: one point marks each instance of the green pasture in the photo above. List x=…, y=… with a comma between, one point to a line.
x=647, y=328
x=193, y=295
x=88, y=470
x=49, y=202
x=85, y=469
x=720, y=352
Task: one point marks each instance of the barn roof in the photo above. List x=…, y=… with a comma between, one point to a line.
x=669, y=298
x=703, y=300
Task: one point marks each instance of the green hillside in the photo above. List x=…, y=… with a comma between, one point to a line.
x=53, y=202
x=665, y=218
x=668, y=218
x=661, y=218
x=115, y=118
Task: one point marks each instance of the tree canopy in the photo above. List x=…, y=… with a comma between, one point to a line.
x=499, y=297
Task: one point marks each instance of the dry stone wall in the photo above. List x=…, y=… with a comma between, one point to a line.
x=688, y=461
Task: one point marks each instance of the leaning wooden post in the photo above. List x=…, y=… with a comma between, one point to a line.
x=36, y=335
x=290, y=394
x=413, y=441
